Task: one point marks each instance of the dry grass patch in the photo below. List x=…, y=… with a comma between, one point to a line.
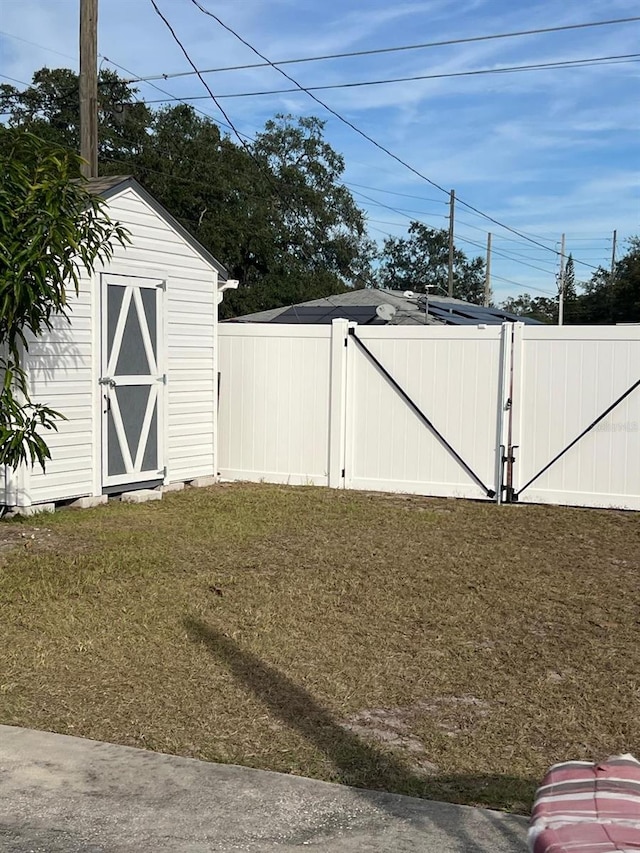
x=444, y=649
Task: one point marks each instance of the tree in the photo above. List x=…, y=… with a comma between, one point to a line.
x=571, y=300
x=421, y=261
x=316, y=243
x=50, y=108
x=614, y=299
x=537, y=308
x=274, y=212
x=604, y=298
x=51, y=229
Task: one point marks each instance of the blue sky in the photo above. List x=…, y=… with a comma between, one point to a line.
x=545, y=152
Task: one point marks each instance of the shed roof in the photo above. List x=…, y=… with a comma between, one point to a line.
x=111, y=185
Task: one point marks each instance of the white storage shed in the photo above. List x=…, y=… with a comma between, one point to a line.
x=135, y=370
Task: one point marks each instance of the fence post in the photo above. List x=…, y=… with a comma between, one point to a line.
x=515, y=414
x=504, y=405
x=338, y=402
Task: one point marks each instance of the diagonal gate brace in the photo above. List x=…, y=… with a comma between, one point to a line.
x=591, y=426
x=490, y=493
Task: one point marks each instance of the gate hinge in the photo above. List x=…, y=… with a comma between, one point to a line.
x=343, y=474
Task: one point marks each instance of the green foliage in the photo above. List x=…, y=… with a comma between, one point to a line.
x=51, y=229
x=421, y=261
x=274, y=213
x=602, y=299
x=537, y=308
x=614, y=299
x=50, y=108
x=21, y=422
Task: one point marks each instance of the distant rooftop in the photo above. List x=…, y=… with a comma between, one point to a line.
x=408, y=309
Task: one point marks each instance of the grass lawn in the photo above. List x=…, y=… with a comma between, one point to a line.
x=438, y=648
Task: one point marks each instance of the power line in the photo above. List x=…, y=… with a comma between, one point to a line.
x=362, y=133
x=404, y=211
x=508, y=257
x=192, y=182
x=13, y=80
x=173, y=33
x=172, y=97
x=384, y=50
x=573, y=239
x=520, y=284
x=493, y=276
x=41, y=46
x=197, y=224
x=514, y=254
x=550, y=239
x=393, y=192
x=204, y=83
x=587, y=62
x=261, y=165
x=400, y=212
x=349, y=54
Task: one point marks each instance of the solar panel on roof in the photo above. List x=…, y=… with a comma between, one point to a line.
x=486, y=314
x=321, y=314
x=453, y=319
x=475, y=312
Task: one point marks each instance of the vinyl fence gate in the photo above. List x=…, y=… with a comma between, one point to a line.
x=500, y=413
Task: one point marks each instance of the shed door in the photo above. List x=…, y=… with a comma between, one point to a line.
x=132, y=380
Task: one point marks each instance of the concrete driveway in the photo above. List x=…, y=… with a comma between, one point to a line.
x=62, y=794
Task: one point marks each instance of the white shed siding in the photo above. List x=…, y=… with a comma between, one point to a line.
x=60, y=366
x=64, y=365
x=190, y=320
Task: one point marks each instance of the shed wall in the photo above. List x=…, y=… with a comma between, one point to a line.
x=64, y=365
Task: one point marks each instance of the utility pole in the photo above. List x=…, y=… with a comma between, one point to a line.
x=613, y=256
x=89, y=87
x=487, y=273
x=561, y=284
x=452, y=206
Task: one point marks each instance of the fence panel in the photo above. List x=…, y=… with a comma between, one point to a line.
x=454, y=376
x=274, y=403
x=564, y=379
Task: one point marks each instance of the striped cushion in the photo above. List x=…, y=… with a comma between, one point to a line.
x=588, y=808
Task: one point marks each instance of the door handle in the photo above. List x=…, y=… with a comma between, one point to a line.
x=107, y=403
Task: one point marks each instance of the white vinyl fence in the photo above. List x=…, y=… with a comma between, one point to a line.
x=566, y=379
x=487, y=412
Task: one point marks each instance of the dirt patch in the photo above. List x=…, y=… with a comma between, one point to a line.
x=393, y=727
x=14, y=537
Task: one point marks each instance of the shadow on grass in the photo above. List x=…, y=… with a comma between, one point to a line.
x=362, y=765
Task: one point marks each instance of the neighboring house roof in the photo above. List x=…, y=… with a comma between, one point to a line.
x=360, y=305
x=110, y=186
